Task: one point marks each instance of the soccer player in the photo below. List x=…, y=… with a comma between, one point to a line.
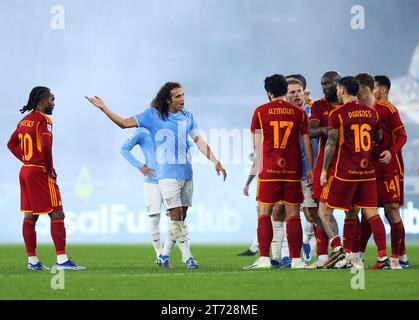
x=277, y=128
x=382, y=85
x=317, y=128
x=295, y=95
x=31, y=143
x=387, y=163
x=348, y=175
x=170, y=125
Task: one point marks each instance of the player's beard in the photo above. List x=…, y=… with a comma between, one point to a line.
x=48, y=111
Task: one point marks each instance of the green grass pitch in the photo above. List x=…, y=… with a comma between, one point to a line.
x=129, y=272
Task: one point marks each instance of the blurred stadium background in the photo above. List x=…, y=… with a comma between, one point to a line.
x=221, y=51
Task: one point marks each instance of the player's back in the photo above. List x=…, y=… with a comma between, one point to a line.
x=30, y=130
x=281, y=124
x=357, y=123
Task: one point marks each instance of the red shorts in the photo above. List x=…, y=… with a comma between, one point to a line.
x=317, y=188
x=388, y=190
x=39, y=193
x=347, y=194
x=271, y=192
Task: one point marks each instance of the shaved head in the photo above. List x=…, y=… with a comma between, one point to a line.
x=329, y=83
x=332, y=76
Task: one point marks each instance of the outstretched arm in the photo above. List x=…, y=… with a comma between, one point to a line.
x=118, y=120
x=206, y=151
x=329, y=152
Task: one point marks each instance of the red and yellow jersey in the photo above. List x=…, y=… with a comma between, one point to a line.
x=32, y=140
x=392, y=125
x=281, y=124
x=320, y=111
x=357, y=122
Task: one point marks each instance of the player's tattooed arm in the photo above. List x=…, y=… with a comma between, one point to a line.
x=118, y=120
x=329, y=152
x=314, y=129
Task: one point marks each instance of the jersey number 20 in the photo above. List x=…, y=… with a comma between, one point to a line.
x=26, y=145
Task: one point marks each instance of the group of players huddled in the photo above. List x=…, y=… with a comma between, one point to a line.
x=358, y=166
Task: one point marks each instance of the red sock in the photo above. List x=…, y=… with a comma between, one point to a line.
x=335, y=242
x=29, y=236
x=357, y=240
x=379, y=233
x=294, y=236
x=265, y=234
x=322, y=241
x=396, y=238
x=349, y=231
x=403, y=243
x=58, y=235
x=365, y=234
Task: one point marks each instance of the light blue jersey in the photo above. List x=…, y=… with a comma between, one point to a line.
x=314, y=143
x=170, y=138
x=141, y=137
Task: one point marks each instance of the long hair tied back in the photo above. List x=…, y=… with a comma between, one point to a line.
x=36, y=95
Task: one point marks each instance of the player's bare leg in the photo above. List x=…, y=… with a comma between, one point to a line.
x=294, y=235
x=58, y=234
x=379, y=234
x=392, y=213
x=265, y=234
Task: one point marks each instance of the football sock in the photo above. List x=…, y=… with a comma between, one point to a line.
x=180, y=238
x=335, y=242
x=308, y=232
x=294, y=236
x=276, y=241
x=357, y=238
x=379, y=234
x=33, y=259
x=322, y=241
x=61, y=258
x=154, y=221
x=168, y=244
x=396, y=238
x=29, y=236
x=365, y=234
x=58, y=235
x=349, y=231
x=285, y=251
x=403, y=246
x=265, y=234
x=188, y=238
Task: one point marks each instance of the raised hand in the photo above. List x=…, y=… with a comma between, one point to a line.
x=96, y=101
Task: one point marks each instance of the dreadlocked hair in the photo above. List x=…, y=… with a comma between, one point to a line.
x=36, y=95
x=160, y=101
